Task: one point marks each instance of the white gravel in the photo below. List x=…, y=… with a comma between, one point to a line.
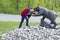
x=33, y=33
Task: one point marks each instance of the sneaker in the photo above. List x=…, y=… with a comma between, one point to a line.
x=27, y=26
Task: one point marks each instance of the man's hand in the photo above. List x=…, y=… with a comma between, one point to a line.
x=32, y=14
x=27, y=17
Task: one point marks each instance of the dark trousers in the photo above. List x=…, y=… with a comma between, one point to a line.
x=22, y=20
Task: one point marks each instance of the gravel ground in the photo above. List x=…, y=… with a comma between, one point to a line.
x=32, y=33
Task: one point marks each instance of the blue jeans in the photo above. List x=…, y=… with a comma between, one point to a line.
x=22, y=20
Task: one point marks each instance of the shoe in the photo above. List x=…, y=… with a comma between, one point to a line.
x=27, y=26
x=19, y=27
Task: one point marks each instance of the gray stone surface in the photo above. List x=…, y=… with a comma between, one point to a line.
x=7, y=17
x=33, y=33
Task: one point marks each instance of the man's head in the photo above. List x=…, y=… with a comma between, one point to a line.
x=31, y=10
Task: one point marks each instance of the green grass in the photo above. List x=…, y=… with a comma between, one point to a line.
x=58, y=23
x=6, y=26
x=58, y=14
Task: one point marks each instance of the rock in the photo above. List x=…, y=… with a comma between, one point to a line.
x=33, y=33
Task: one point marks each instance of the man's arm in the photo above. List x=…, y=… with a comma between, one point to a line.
x=38, y=14
x=29, y=14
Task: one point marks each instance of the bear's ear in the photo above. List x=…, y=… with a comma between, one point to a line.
x=34, y=9
x=37, y=8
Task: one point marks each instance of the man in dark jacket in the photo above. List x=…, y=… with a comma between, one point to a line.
x=26, y=14
x=49, y=14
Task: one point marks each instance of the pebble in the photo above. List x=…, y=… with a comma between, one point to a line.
x=33, y=33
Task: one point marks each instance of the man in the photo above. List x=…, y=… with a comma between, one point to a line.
x=49, y=14
x=26, y=14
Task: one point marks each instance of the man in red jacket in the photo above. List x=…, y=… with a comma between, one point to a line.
x=26, y=13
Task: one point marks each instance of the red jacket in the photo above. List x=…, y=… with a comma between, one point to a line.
x=24, y=12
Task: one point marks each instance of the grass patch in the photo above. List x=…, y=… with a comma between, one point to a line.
x=58, y=23
x=58, y=14
x=6, y=26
